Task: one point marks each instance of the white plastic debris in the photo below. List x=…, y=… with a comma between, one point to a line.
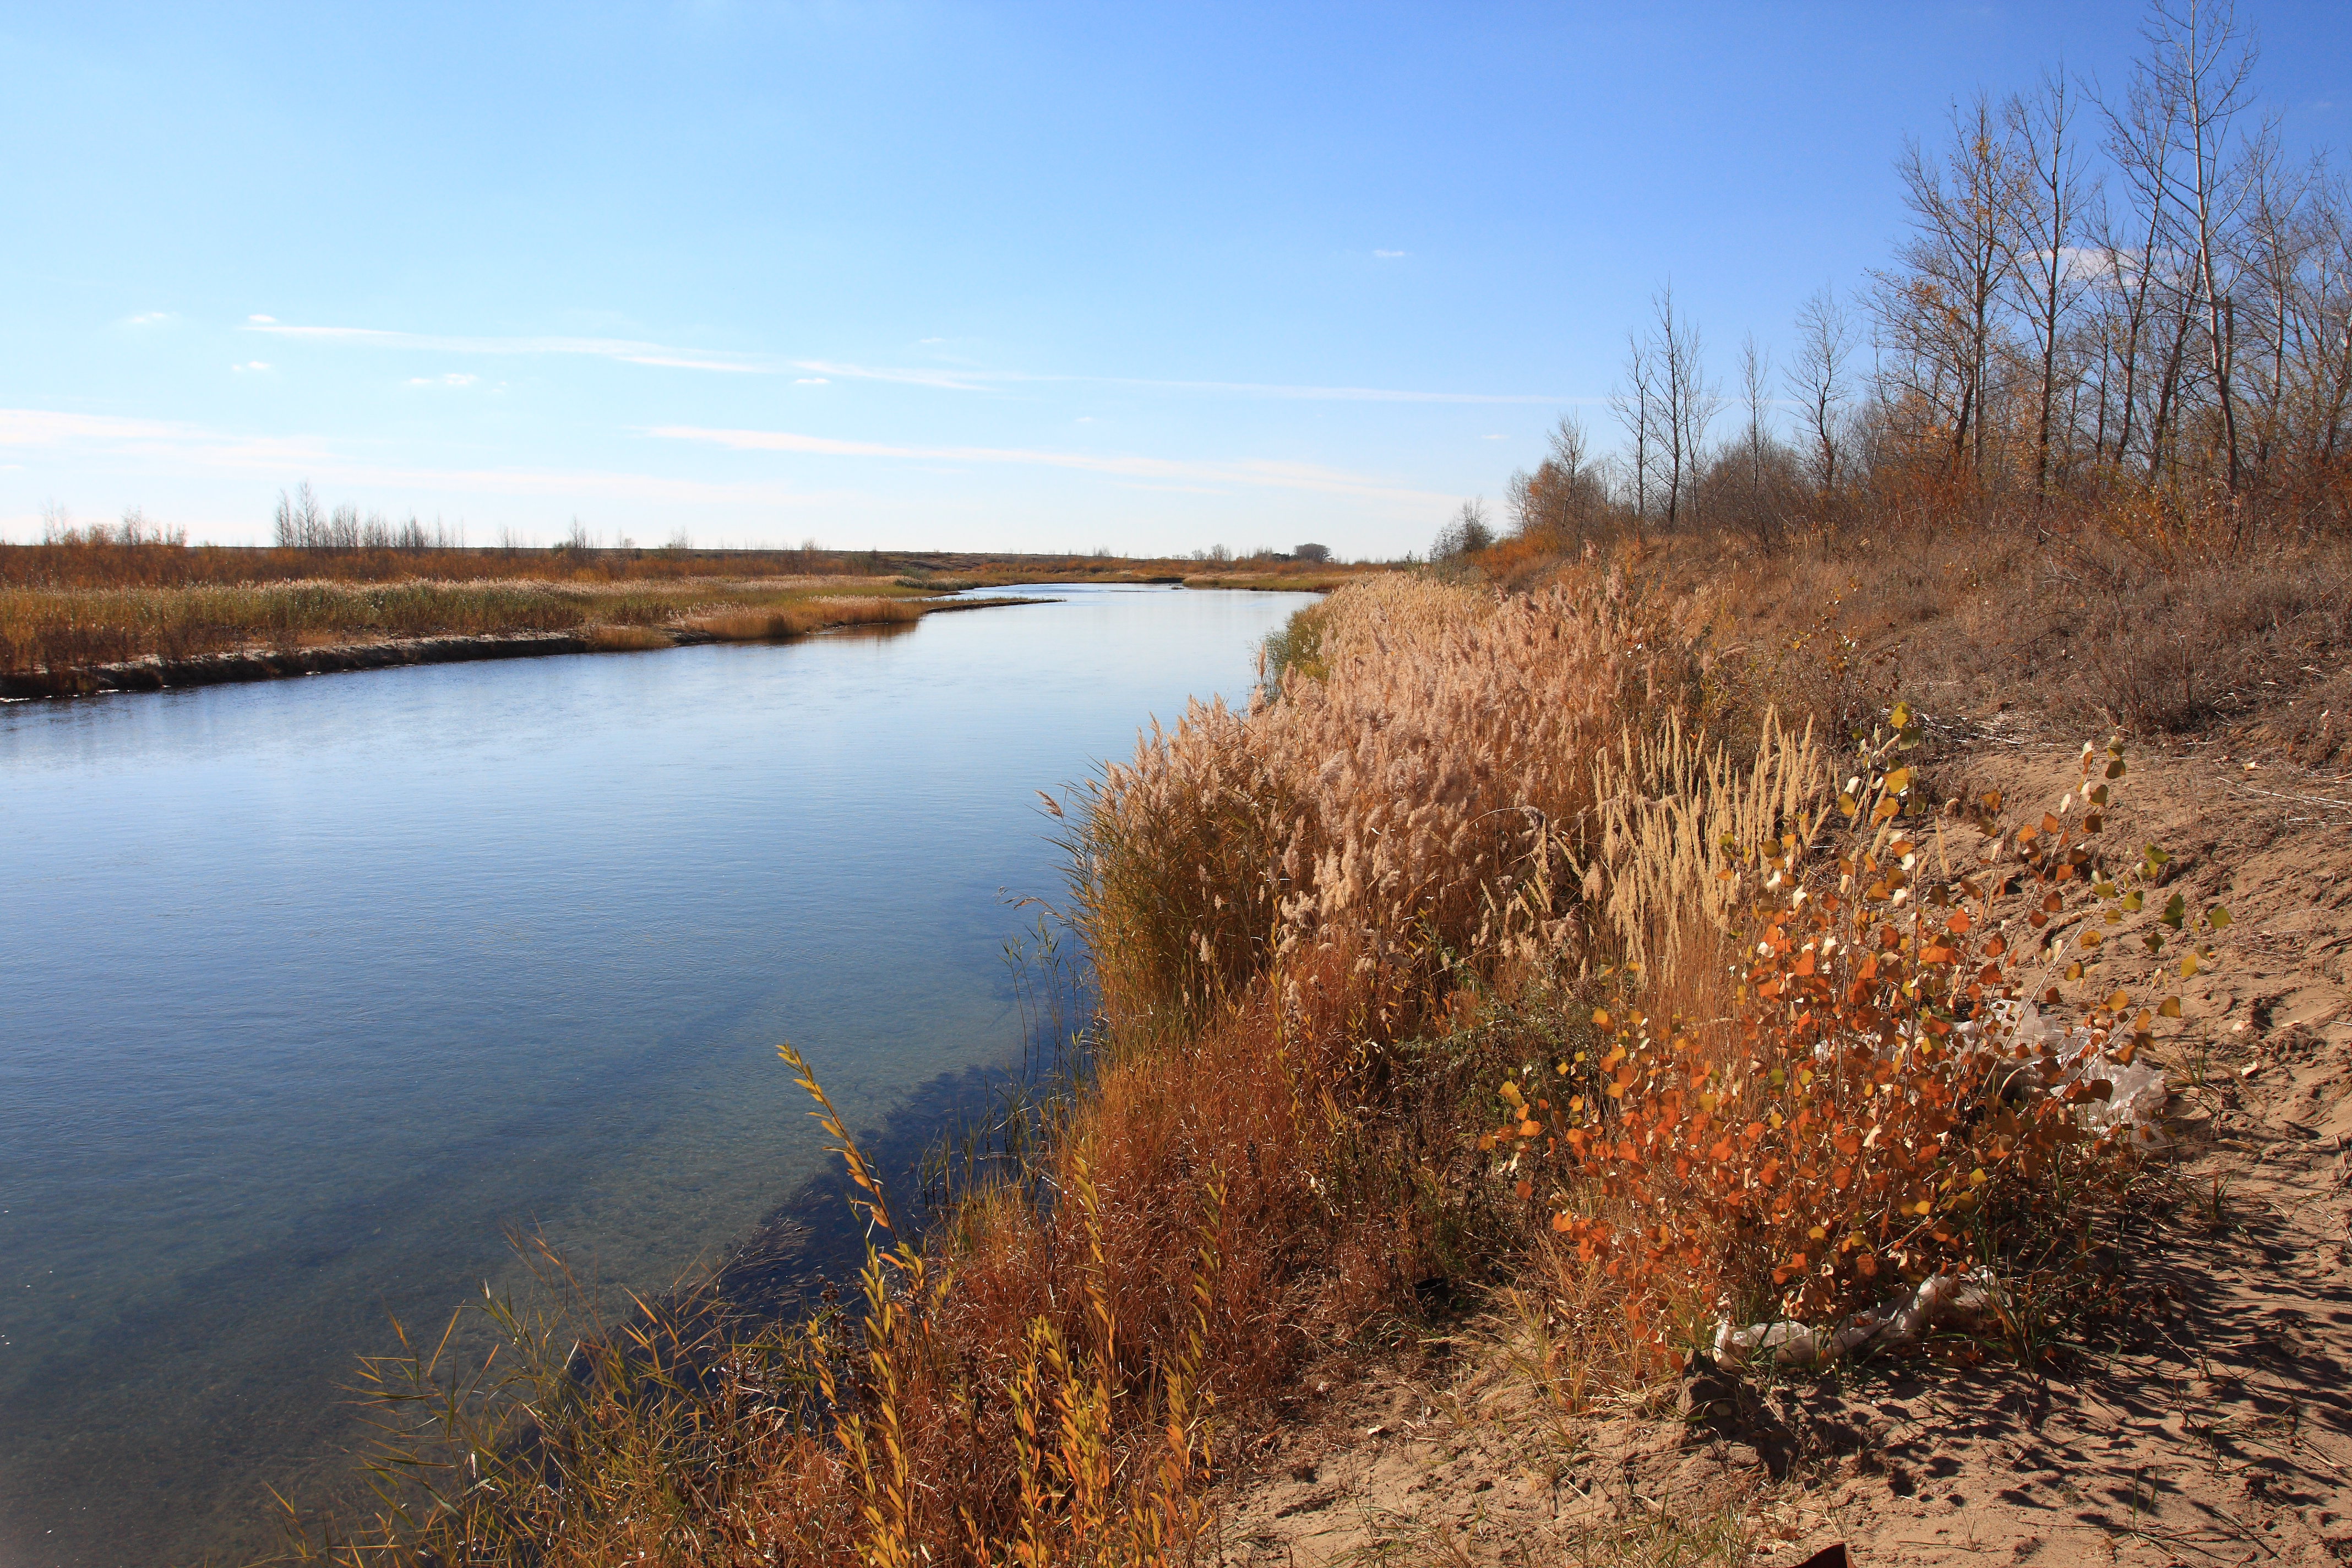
x=2137, y=1094
x=1963, y=1302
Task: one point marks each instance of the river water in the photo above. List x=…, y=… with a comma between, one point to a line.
x=312, y=991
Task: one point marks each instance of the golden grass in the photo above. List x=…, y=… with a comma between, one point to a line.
x=1358, y=949
x=57, y=638
x=625, y=639
x=800, y=618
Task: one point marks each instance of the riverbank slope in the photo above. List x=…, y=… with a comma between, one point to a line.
x=1467, y=1019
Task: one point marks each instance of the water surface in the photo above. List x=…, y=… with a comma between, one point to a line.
x=311, y=990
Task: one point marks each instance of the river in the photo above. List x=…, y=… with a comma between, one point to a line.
x=312, y=991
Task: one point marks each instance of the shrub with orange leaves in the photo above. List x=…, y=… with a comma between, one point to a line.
x=1884, y=1102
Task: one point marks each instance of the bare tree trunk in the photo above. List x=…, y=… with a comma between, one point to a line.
x=1755, y=377
x=1818, y=381
x=2041, y=262
x=1631, y=403
x=1964, y=214
x=2202, y=62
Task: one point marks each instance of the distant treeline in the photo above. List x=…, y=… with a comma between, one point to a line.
x=2127, y=304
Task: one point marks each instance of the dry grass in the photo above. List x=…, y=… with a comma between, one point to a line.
x=100, y=598
x=625, y=639
x=56, y=639
x=1418, y=970
x=2077, y=623
x=799, y=619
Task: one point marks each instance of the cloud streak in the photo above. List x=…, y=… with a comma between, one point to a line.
x=197, y=447
x=628, y=350
x=1257, y=474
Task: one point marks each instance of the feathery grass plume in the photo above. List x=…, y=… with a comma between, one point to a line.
x=1679, y=831
x=1371, y=833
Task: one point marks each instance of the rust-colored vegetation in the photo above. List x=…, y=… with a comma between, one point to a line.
x=1584, y=922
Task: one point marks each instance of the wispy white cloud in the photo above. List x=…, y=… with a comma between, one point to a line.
x=1388, y=254
x=196, y=447
x=1254, y=473
x=911, y=376
x=454, y=378
x=251, y=364
x=153, y=438
x=625, y=350
x=632, y=352
x=814, y=381
x=147, y=319
x=1326, y=393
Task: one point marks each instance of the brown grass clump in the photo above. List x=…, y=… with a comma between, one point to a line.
x=625, y=639
x=2076, y=620
x=800, y=619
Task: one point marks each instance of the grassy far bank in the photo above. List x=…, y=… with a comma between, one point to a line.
x=70, y=610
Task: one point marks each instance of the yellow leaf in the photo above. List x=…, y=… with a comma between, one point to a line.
x=2170, y=1007
x=2118, y=1002
x=2188, y=965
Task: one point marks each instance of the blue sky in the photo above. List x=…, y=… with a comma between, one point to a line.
x=932, y=276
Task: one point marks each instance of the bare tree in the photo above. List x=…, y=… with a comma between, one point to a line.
x=1465, y=533
x=1939, y=309
x=2202, y=64
x=1560, y=501
x=2042, y=268
x=1687, y=403
x=1756, y=442
x=1819, y=383
x=1631, y=403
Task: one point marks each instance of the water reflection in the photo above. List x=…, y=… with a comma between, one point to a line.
x=308, y=990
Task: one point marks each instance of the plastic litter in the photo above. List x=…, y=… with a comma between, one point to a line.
x=2137, y=1092
x=1962, y=1302
x=2134, y=1102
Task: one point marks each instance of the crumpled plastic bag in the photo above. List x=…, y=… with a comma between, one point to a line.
x=2137, y=1092
x=1962, y=1302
